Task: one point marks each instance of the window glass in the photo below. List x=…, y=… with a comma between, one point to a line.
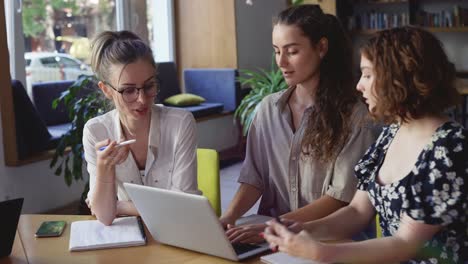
x=63, y=28
x=48, y=62
x=69, y=63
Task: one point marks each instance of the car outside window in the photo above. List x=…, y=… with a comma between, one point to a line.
x=49, y=62
x=69, y=63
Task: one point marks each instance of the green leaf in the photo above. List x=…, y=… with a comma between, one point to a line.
x=263, y=83
x=58, y=171
x=80, y=110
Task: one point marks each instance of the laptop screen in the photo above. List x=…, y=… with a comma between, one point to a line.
x=11, y=211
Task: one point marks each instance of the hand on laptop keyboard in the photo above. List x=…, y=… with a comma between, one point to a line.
x=246, y=233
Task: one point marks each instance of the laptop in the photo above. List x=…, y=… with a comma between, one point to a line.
x=11, y=211
x=187, y=221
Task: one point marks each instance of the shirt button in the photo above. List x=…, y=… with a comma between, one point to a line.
x=294, y=189
x=293, y=157
x=155, y=180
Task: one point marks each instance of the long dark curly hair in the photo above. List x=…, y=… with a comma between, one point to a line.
x=328, y=126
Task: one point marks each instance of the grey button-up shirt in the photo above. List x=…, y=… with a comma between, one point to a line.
x=289, y=179
x=171, y=161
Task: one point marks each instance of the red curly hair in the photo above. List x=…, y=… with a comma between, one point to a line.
x=413, y=74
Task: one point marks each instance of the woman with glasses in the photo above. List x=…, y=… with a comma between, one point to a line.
x=164, y=153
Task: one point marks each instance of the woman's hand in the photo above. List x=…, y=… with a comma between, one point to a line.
x=300, y=245
x=245, y=233
x=227, y=221
x=109, y=157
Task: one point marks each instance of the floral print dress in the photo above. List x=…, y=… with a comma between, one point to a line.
x=434, y=192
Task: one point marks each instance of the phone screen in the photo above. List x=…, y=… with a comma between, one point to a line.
x=51, y=228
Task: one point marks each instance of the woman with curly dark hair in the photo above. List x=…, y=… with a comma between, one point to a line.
x=305, y=141
x=414, y=176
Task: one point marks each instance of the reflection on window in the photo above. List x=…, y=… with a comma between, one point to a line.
x=57, y=36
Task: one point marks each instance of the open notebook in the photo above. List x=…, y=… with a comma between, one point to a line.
x=281, y=258
x=92, y=234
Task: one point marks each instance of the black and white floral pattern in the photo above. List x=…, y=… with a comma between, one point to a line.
x=434, y=192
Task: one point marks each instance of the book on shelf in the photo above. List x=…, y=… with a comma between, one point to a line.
x=92, y=234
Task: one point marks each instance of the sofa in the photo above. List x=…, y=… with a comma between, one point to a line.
x=219, y=87
x=56, y=120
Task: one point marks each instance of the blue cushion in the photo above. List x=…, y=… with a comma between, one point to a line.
x=44, y=94
x=215, y=85
x=58, y=130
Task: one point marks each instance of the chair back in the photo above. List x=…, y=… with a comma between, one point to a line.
x=208, y=177
x=32, y=136
x=378, y=229
x=168, y=81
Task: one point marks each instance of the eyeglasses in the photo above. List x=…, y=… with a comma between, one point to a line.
x=130, y=94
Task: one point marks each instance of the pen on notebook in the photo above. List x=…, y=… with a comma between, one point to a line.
x=123, y=143
x=142, y=228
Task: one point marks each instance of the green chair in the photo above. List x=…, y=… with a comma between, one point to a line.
x=208, y=177
x=378, y=230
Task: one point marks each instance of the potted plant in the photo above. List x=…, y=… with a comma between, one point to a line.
x=83, y=101
x=262, y=83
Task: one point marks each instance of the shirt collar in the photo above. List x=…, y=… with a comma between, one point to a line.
x=154, y=133
x=283, y=98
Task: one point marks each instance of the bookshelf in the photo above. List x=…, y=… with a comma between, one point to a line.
x=452, y=32
x=430, y=29
x=369, y=16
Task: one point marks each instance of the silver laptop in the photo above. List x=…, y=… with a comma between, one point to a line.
x=187, y=221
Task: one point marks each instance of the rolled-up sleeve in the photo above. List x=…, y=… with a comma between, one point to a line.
x=89, y=142
x=251, y=168
x=343, y=183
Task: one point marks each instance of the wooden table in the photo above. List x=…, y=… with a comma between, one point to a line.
x=55, y=249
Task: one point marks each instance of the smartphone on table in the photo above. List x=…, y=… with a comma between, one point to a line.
x=51, y=229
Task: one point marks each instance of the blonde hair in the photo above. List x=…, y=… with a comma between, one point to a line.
x=117, y=47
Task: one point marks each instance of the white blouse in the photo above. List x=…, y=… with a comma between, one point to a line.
x=171, y=162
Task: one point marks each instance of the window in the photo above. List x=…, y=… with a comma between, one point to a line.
x=49, y=40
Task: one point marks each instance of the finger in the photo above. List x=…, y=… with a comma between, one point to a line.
x=254, y=239
x=102, y=143
x=280, y=229
x=235, y=234
x=108, y=150
x=287, y=222
x=231, y=230
x=229, y=226
x=244, y=236
x=272, y=239
x=122, y=155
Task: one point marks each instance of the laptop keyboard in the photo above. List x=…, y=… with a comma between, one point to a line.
x=241, y=248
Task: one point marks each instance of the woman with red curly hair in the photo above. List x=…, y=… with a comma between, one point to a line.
x=414, y=176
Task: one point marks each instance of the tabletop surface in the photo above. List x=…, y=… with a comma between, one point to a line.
x=29, y=249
